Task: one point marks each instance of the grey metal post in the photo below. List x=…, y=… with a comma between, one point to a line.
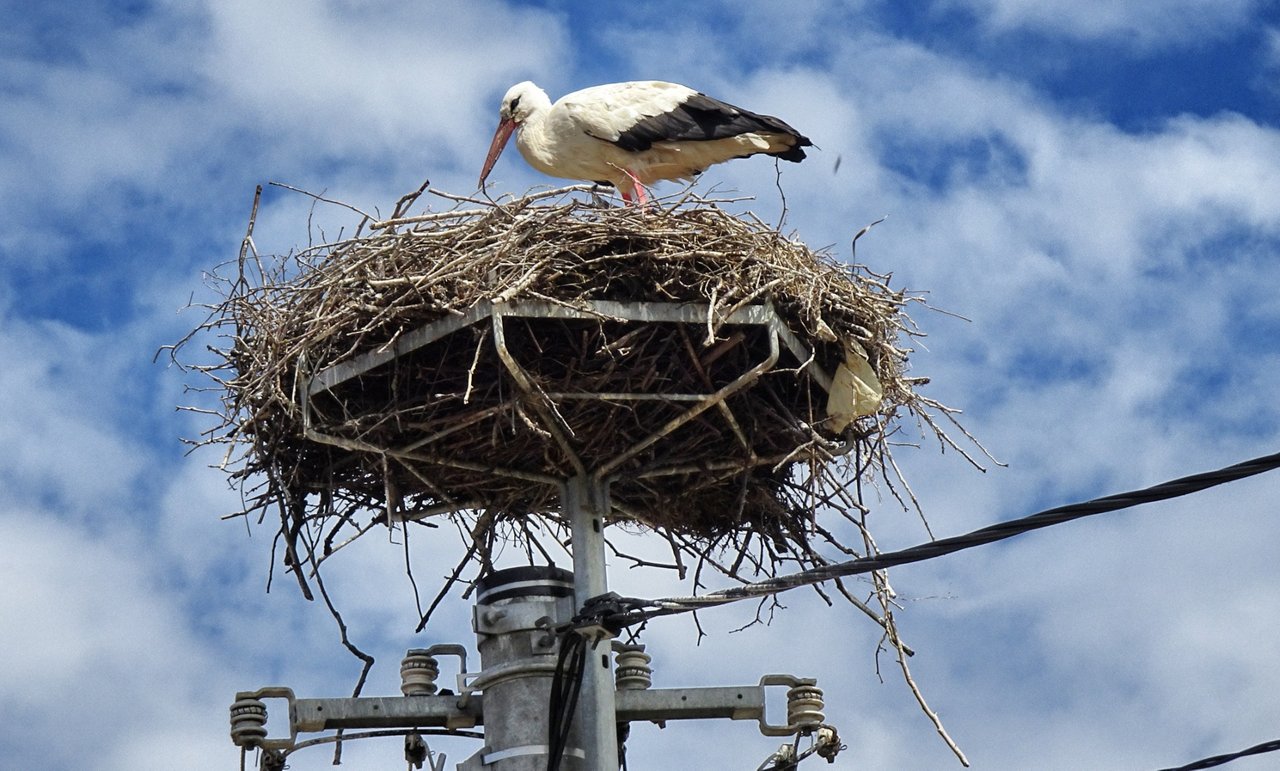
x=516, y=612
x=585, y=502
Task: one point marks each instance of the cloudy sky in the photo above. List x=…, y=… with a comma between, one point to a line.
x=1094, y=185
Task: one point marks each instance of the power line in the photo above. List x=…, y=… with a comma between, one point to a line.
x=926, y=551
x=1218, y=760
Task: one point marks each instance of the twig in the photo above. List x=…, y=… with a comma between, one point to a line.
x=368, y=217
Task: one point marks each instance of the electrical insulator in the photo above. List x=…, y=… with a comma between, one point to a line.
x=827, y=743
x=804, y=707
x=418, y=673
x=633, y=671
x=415, y=750
x=248, y=721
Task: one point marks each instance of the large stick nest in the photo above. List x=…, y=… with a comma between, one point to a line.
x=481, y=424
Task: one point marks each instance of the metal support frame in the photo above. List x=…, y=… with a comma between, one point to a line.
x=604, y=310
x=466, y=710
x=780, y=338
x=699, y=314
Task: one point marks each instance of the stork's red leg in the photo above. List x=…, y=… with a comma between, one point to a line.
x=641, y=196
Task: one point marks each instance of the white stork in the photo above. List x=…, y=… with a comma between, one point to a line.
x=633, y=134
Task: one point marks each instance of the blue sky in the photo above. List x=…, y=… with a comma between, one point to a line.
x=1094, y=185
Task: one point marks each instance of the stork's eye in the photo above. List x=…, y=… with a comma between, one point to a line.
x=515, y=103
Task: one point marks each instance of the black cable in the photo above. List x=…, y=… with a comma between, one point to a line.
x=1217, y=760
x=624, y=733
x=989, y=534
x=555, y=707
x=566, y=685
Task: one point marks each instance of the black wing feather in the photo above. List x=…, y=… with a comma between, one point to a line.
x=701, y=118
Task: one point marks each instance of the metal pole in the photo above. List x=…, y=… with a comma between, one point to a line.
x=516, y=612
x=585, y=502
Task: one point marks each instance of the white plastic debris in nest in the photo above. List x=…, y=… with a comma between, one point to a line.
x=855, y=390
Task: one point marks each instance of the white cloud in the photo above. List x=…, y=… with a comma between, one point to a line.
x=62, y=433
x=186, y=96
x=97, y=648
x=1143, y=23
x=377, y=78
x=1126, y=627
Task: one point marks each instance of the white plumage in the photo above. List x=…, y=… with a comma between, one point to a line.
x=633, y=134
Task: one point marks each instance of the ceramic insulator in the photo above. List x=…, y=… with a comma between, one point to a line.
x=418, y=673
x=248, y=721
x=633, y=671
x=804, y=707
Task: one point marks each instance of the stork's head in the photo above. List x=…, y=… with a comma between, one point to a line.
x=520, y=101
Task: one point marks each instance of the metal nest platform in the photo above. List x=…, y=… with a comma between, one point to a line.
x=724, y=383
x=497, y=407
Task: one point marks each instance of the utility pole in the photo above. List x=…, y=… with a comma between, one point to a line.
x=585, y=501
x=517, y=611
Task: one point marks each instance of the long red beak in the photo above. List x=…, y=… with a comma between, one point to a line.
x=500, y=138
